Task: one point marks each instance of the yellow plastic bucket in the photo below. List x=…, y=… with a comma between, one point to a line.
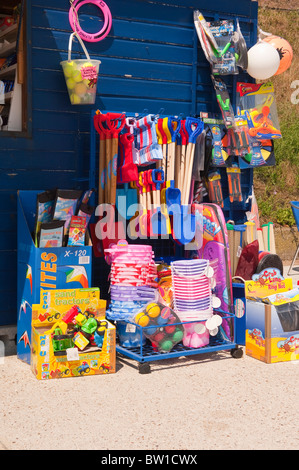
x=81, y=76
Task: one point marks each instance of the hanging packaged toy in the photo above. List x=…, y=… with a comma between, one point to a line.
x=224, y=102
x=206, y=38
x=234, y=183
x=223, y=32
x=222, y=43
x=214, y=188
x=256, y=103
x=219, y=154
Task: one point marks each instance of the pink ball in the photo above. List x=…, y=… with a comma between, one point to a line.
x=186, y=340
x=198, y=341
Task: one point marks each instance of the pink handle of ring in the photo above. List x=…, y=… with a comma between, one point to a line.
x=74, y=22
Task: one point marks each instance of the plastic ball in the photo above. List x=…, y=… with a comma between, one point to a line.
x=77, y=76
x=161, y=321
x=142, y=319
x=75, y=99
x=284, y=50
x=70, y=83
x=80, y=89
x=68, y=69
x=166, y=345
x=165, y=312
x=263, y=61
x=169, y=329
x=177, y=336
x=150, y=331
x=153, y=310
x=195, y=341
x=158, y=337
x=186, y=340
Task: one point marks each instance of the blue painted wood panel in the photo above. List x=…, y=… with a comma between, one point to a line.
x=148, y=62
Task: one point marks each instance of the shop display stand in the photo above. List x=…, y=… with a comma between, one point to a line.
x=145, y=353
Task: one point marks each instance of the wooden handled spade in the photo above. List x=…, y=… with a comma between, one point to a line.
x=194, y=127
x=110, y=125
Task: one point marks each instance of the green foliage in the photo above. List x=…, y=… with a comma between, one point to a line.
x=276, y=186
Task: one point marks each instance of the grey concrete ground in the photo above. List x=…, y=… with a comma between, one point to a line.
x=202, y=402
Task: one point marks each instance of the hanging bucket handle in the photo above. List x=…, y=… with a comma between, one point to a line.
x=82, y=45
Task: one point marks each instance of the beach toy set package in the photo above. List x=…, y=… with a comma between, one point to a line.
x=71, y=336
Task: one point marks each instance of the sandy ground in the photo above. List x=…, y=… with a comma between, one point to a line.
x=202, y=402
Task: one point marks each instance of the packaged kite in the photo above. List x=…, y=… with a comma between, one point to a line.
x=51, y=234
x=86, y=211
x=77, y=231
x=66, y=205
x=44, y=209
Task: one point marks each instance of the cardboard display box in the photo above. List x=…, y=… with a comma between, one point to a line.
x=43, y=268
x=272, y=330
x=50, y=316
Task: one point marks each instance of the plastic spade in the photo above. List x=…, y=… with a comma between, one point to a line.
x=194, y=127
x=160, y=222
x=172, y=194
x=162, y=140
x=184, y=141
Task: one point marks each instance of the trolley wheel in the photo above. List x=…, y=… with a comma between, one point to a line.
x=237, y=353
x=144, y=368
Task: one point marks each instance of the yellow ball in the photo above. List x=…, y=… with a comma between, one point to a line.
x=153, y=310
x=141, y=319
x=80, y=89
x=75, y=99
x=70, y=83
x=77, y=76
x=68, y=69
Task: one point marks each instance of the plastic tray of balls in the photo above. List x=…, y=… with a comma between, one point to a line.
x=155, y=336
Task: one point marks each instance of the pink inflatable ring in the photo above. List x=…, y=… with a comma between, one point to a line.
x=74, y=22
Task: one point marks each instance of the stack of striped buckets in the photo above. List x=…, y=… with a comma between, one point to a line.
x=133, y=282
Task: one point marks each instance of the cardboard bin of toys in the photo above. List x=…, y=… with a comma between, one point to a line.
x=71, y=336
x=46, y=258
x=272, y=319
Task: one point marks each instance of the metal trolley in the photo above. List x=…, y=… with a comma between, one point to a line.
x=144, y=354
